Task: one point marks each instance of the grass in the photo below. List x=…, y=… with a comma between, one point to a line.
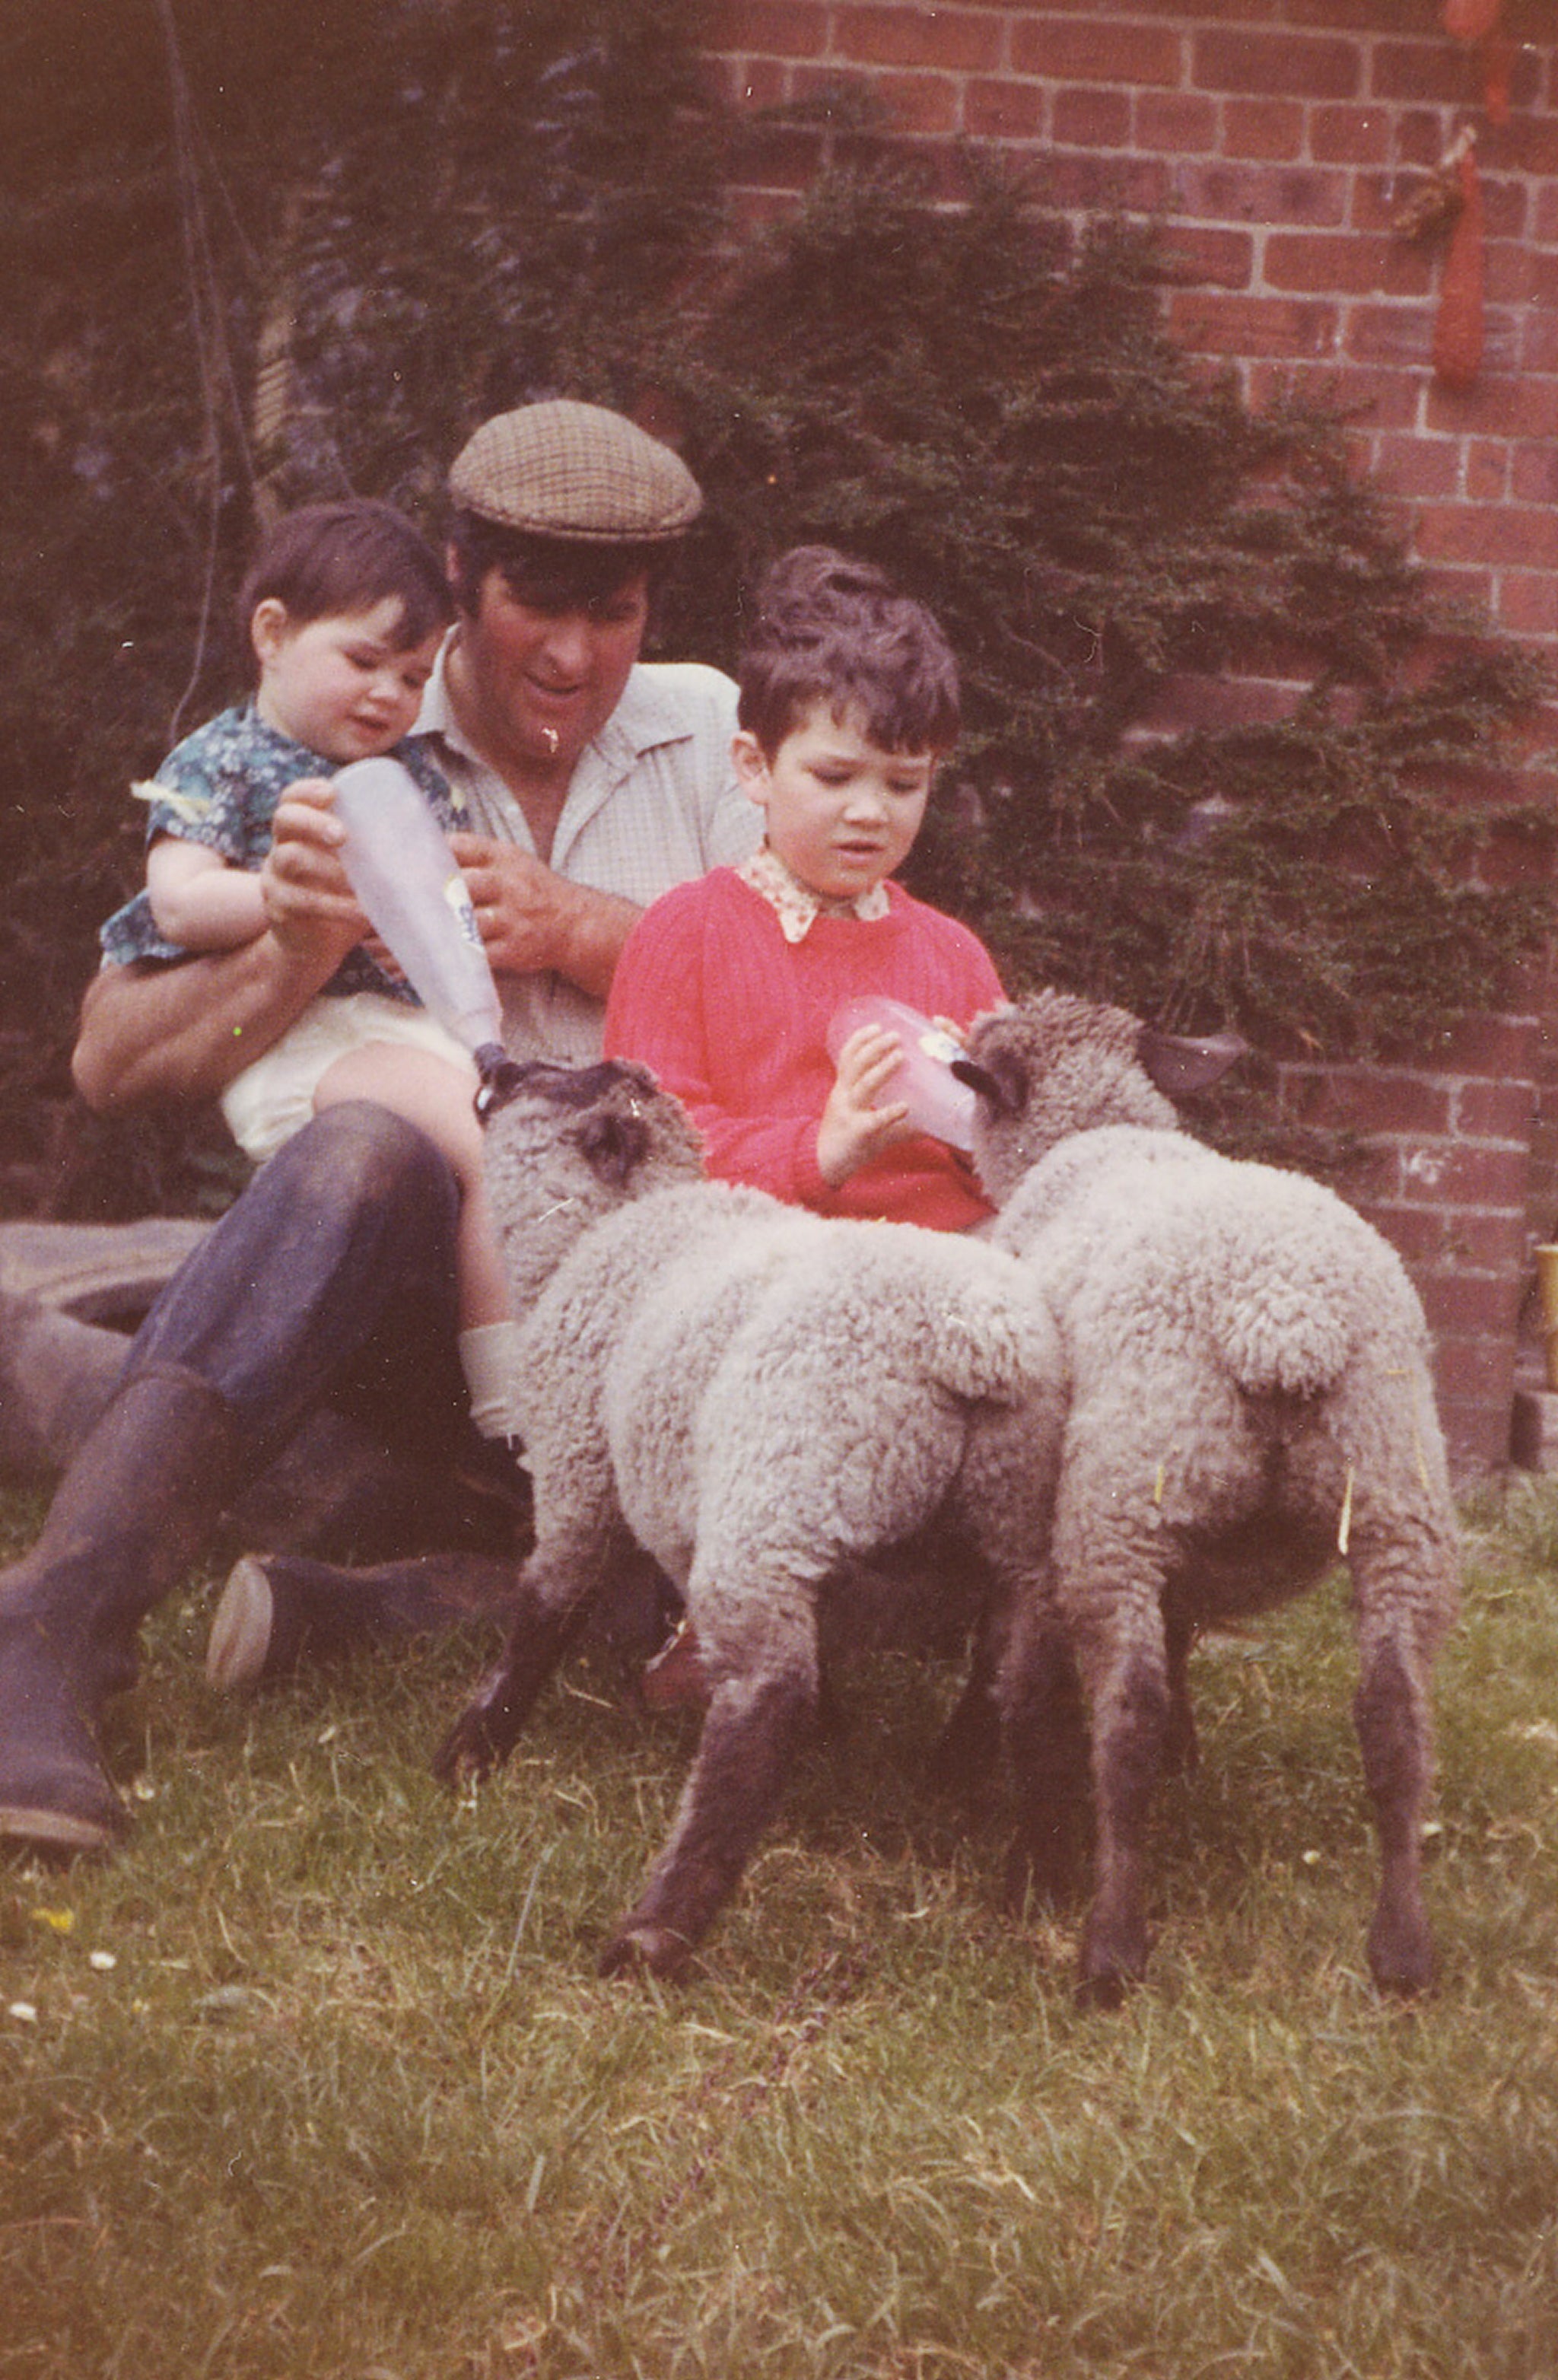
x=349, y=2102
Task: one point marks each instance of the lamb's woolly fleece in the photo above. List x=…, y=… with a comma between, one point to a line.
x=759, y=1396
x=1251, y=1396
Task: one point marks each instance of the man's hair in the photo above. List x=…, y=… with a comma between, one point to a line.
x=346, y=557
x=827, y=630
x=552, y=574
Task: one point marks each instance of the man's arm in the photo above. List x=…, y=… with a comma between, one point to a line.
x=182, y=1032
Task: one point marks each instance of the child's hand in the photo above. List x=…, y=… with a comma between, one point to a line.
x=854, y=1128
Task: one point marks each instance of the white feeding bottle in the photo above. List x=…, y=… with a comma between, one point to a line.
x=410, y=888
x=936, y=1101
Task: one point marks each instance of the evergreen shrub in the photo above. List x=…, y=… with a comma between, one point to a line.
x=261, y=256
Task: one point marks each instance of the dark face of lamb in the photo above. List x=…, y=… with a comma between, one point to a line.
x=1054, y=1064
x=566, y=1144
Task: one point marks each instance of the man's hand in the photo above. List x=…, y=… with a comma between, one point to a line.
x=532, y=920
x=854, y=1128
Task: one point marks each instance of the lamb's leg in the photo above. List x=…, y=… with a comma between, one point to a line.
x=1403, y=1607
x=1181, y=1755
x=1130, y=1723
x=749, y=1740
x=1045, y=1730
x=553, y=1595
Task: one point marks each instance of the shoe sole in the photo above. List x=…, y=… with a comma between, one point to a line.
x=240, y=1630
x=56, y=1831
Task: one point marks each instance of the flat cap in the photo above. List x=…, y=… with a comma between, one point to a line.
x=571, y=470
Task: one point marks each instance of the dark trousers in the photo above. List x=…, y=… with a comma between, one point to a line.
x=323, y=1308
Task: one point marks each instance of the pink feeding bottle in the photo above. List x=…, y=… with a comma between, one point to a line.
x=936, y=1101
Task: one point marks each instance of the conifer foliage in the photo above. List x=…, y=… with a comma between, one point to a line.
x=260, y=255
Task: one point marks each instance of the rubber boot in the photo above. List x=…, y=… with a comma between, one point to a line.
x=279, y=1610
x=134, y=1510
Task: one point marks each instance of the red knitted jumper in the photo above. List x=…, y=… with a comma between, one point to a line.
x=734, y=1018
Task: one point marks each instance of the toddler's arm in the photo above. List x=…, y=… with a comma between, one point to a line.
x=199, y=899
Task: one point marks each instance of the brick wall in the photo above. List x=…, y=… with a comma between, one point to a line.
x=1277, y=140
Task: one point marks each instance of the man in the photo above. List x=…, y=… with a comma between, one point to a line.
x=594, y=783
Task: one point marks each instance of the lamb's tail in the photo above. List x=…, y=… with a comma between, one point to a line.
x=1285, y=1305
x=986, y=1345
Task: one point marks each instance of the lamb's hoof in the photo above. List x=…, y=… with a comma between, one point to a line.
x=647, y=1950
x=1106, y=1992
x=1402, y=1965
x=1044, y=1879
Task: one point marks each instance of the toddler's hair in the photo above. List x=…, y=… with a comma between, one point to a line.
x=325, y=559
x=832, y=630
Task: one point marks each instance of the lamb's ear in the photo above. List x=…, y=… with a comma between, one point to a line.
x=613, y=1147
x=1003, y=1084
x=1177, y=1064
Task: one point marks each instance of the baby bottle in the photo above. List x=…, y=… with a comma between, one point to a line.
x=410, y=888
x=936, y=1101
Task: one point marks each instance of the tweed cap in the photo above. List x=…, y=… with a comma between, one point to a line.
x=569, y=470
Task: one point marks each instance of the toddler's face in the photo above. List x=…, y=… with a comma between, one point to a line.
x=842, y=812
x=347, y=685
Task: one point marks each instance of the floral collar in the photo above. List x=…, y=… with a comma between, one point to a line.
x=795, y=905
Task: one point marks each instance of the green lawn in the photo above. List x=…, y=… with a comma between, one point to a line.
x=317, y=2078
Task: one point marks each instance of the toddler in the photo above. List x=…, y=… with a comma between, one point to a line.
x=344, y=610
x=849, y=700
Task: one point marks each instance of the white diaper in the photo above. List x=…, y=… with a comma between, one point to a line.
x=274, y=1098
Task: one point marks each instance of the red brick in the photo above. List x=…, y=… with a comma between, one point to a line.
x=1263, y=128
x=1494, y=1110
x=1350, y=136
x=1261, y=63
x=1299, y=195
x=1102, y=185
x=1487, y=470
x=1178, y=122
x=1418, y=466
x=786, y=29
x=1255, y=326
x=1466, y=1305
x=1224, y=259
x=1006, y=110
x=1080, y=49
x=1348, y=264
x=1437, y=70
x=1528, y=603
x=1516, y=407
x=920, y=102
x=1368, y=1101
x=1523, y=535
x=1093, y=119
x=967, y=43
x=757, y=82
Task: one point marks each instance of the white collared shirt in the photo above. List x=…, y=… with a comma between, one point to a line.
x=653, y=801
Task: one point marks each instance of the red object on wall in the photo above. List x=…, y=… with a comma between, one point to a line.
x=1457, y=332
x=1468, y=20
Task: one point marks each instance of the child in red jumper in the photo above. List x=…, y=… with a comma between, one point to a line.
x=726, y=986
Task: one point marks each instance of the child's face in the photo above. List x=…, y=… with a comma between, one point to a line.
x=347, y=685
x=842, y=812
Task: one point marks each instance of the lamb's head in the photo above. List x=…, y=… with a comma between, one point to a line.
x=1054, y=1064
x=565, y=1145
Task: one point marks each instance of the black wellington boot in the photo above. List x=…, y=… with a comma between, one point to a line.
x=134, y=1510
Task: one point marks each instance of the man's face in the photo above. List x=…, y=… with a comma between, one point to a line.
x=547, y=680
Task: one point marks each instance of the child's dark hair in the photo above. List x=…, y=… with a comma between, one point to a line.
x=346, y=557
x=552, y=574
x=827, y=629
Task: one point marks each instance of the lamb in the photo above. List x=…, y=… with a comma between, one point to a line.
x=1250, y=1395
x=760, y=1398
